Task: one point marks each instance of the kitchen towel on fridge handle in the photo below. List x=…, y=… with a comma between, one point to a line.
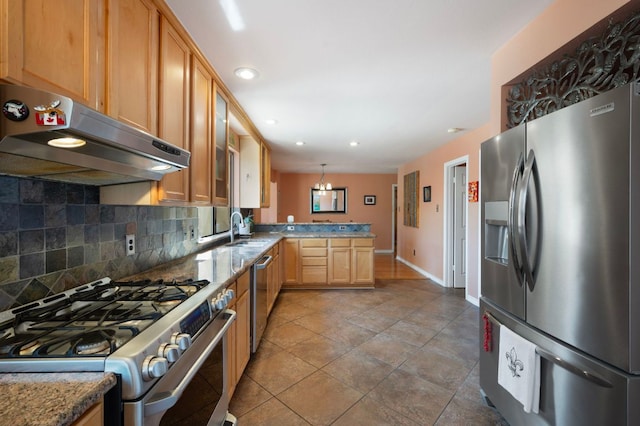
x=519, y=369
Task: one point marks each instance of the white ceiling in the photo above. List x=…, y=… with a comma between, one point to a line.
x=393, y=75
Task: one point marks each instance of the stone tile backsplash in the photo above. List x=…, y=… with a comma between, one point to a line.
x=55, y=236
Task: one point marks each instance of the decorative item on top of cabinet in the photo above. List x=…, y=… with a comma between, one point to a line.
x=132, y=77
x=201, y=133
x=60, y=49
x=221, y=130
x=174, y=110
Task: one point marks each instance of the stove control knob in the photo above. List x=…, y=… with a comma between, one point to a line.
x=169, y=351
x=154, y=367
x=219, y=303
x=228, y=295
x=182, y=340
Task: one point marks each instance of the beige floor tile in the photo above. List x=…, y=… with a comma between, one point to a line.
x=319, y=350
x=370, y=412
x=373, y=321
x=271, y=413
x=358, y=370
x=320, y=399
x=247, y=396
x=288, y=334
x=462, y=412
x=387, y=348
x=404, y=353
x=349, y=333
x=279, y=371
x=410, y=332
x=415, y=398
x=437, y=368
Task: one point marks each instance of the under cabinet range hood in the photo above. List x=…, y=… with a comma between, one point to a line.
x=49, y=136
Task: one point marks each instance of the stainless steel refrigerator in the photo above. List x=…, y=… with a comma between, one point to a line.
x=561, y=259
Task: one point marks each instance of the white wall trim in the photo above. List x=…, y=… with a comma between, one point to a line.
x=447, y=225
x=472, y=299
x=384, y=251
x=433, y=278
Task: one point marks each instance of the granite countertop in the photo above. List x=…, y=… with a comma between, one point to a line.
x=50, y=399
x=337, y=234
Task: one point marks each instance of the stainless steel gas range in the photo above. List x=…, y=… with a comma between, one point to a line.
x=163, y=339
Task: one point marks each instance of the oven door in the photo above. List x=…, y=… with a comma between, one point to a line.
x=193, y=390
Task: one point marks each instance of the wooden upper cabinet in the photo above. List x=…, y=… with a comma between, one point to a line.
x=55, y=47
x=173, y=111
x=201, y=133
x=265, y=175
x=221, y=172
x=133, y=34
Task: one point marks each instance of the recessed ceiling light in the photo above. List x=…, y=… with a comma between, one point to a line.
x=299, y=143
x=354, y=143
x=246, y=73
x=271, y=121
x=454, y=129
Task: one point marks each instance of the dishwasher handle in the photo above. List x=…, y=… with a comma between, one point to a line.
x=263, y=262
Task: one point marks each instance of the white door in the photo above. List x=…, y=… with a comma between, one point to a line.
x=459, y=226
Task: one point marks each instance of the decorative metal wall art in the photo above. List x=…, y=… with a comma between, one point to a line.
x=600, y=63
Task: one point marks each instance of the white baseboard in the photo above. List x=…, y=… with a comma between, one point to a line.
x=383, y=251
x=473, y=300
x=422, y=271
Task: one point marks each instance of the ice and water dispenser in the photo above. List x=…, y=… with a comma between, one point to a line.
x=496, y=233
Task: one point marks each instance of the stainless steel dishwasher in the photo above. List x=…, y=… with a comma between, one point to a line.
x=259, y=282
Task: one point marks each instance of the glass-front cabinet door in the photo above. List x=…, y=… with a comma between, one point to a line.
x=221, y=173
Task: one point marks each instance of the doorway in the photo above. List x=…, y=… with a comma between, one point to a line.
x=456, y=221
x=394, y=219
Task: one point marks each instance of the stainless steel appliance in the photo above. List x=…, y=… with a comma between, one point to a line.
x=163, y=340
x=259, y=303
x=560, y=198
x=35, y=124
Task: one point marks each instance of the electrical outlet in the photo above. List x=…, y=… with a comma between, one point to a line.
x=342, y=227
x=193, y=232
x=291, y=228
x=130, y=242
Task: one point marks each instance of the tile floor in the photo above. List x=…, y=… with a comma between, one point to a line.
x=405, y=353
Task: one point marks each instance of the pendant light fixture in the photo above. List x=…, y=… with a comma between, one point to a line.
x=321, y=185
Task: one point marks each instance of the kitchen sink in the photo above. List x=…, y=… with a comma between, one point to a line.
x=246, y=243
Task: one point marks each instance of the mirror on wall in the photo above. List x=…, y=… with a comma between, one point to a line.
x=329, y=201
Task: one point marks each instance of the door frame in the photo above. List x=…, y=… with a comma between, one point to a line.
x=449, y=199
x=394, y=218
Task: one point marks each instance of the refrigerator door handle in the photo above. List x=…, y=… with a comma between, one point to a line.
x=592, y=377
x=581, y=372
x=513, y=253
x=521, y=225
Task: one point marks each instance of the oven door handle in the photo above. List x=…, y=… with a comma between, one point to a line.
x=162, y=401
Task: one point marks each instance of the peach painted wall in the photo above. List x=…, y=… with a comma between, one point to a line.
x=549, y=33
x=294, y=199
x=428, y=239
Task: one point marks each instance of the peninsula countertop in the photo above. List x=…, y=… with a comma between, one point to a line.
x=50, y=399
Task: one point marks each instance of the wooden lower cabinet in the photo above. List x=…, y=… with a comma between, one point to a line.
x=94, y=416
x=239, y=334
x=291, y=261
x=323, y=262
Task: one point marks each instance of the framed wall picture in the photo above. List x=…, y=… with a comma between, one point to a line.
x=426, y=194
x=369, y=200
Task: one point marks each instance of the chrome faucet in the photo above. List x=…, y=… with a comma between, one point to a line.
x=231, y=234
